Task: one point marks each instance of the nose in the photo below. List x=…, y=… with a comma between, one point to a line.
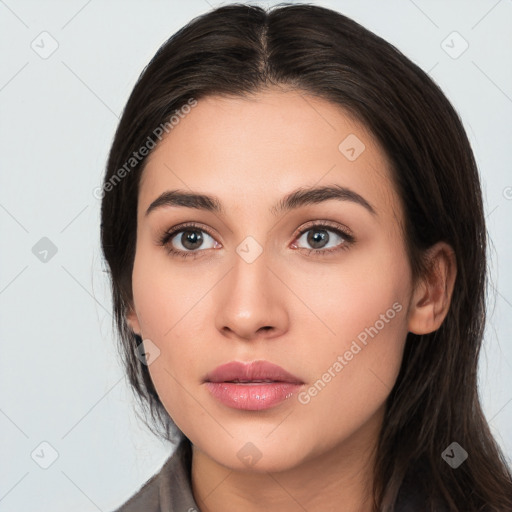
x=251, y=301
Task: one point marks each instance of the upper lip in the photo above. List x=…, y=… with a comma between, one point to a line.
x=237, y=371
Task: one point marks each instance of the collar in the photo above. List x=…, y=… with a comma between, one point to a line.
x=174, y=481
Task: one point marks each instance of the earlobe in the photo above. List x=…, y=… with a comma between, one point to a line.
x=133, y=321
x=431, y=298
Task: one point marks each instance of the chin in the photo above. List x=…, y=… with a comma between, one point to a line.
x=256, y=451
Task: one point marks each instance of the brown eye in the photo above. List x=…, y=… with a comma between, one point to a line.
x=318, y=238
x=191, y=239
x=321, y=237
x=187, y=240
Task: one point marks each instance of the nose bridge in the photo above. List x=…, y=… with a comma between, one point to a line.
x=250, y=280
x=251, y=270
x=251, y=297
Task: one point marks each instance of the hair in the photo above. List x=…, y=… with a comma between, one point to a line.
x=239, y=49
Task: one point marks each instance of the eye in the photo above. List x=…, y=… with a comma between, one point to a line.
x=189, y=240
x=185, y=240
x=323, y=238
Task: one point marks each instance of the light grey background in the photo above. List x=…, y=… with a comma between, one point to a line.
x=61, y=382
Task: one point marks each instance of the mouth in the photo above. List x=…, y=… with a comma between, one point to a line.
x=256, y=372
x=240, y=381
x=251, y=386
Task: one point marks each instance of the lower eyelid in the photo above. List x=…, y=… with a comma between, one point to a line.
x=343, y=245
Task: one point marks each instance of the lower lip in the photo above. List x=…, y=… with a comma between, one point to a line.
x=252, y=397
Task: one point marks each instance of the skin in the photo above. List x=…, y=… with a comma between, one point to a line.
x=298, y=310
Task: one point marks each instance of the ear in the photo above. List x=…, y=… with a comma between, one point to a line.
x=433, y=292
x=133, y=321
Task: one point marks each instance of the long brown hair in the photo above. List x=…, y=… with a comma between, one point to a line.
x=239, y=49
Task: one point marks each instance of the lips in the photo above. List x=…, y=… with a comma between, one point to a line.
x=257, y=371
x=251, y=386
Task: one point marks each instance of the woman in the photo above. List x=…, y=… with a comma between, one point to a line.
x=293, y=223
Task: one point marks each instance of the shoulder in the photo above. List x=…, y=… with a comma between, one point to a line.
x=168, y=490
x=146, y=498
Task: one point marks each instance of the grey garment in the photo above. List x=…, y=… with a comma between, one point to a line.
x=170, y=490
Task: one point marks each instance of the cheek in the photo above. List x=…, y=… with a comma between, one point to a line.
x=362, y=293
x=172, y=306
x=351, y=385
x=355, y=363
x=167, y=294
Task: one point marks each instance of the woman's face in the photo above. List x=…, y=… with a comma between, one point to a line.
x=317, y=283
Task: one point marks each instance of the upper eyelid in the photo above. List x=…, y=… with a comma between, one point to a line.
x=336, y=226
x=175, y=230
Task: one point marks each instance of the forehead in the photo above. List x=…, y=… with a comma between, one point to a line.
x=255, y=149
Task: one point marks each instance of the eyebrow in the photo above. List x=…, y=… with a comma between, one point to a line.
x=295, y=199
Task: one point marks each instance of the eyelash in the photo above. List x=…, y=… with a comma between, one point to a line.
x=348, y=239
